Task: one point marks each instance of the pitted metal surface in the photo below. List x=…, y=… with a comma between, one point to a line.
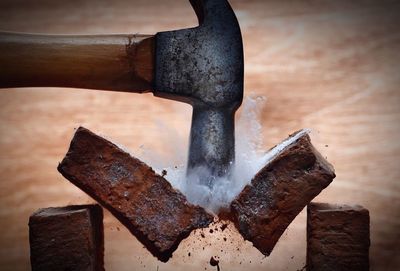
x=203, y=66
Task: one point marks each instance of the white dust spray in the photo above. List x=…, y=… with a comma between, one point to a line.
x=248, y=161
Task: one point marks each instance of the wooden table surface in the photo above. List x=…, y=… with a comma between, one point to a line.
x=332, y=66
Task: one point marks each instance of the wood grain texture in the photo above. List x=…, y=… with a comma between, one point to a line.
x=332, y=66
x=105, y=62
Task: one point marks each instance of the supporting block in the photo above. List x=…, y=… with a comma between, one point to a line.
x=67, y=238
x=337, y=237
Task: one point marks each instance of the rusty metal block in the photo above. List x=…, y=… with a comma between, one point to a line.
x=279, y=191
x=337, y=237
x=157, y=214
x=67, y=238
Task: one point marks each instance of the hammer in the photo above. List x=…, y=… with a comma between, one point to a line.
x=202, y=66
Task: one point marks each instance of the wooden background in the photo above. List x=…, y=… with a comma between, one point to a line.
x=332, y=66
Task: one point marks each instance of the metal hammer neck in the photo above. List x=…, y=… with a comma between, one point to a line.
x=212, y=141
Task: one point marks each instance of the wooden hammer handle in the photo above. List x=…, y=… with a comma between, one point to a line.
x=106, y=62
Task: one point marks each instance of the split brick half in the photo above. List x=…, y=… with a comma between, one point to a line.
x=157, y=214
x=279, y=191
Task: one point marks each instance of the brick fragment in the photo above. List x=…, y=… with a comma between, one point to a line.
x=337, y=237
x=279, y=191
x=157, y=214
x=67, y=238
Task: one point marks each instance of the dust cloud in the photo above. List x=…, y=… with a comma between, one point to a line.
x=249, y=159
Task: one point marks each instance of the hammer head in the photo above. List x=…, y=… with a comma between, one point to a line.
x=203, y=66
